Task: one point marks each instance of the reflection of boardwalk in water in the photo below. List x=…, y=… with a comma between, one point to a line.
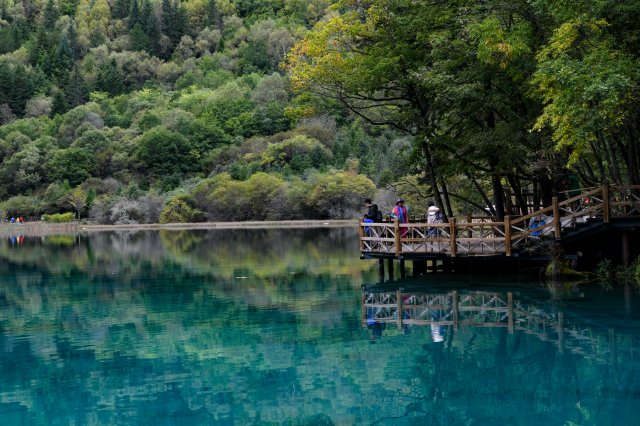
x=487, y=309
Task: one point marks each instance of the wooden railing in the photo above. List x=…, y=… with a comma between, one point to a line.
x=486, y=236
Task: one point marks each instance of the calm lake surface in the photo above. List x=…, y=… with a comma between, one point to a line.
x=240, y=327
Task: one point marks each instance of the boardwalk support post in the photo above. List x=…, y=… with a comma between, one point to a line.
x=454, y=303
x=510, y=311
x=561, y=332
x=626, y=249
x=364, y=309
x=399, y=301
x=507, y=235
x=556, y=218
x=360, y=236
x=452, y=236
x=606, y=208
x=397, y=232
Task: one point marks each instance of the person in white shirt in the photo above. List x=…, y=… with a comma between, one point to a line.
x=433, y=216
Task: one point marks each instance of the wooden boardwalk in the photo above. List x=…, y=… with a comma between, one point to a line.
x=607, y=205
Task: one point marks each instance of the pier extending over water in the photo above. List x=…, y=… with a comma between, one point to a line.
x=610, y=213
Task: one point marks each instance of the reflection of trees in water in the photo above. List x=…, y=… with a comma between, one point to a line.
x=73, y=333
x=260, y=252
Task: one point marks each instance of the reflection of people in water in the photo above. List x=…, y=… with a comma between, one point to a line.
x=375, y=327
x=406, y=314
x=438, y=331
x=376, y=330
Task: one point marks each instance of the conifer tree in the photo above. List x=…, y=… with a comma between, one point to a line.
x=174, y=21
x=76, y=90
x=109, y=78
x=22, y=89
x=168, y=16
x=212, y=15
x=51, y=15
x=3, y=10
x=59, y=104
x=5, y=82
x=68, y=7
x=134, y=17
x=72, y=39
x=30, y=11
x=64, y=59
x=138, y=39
x=149, y=25
x=121, y=9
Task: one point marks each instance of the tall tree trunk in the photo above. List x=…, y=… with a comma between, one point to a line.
x=485, y=197
x=498, y=189
x=448, y=211
x=517, y=190
x=599, y=162
x=546, y=191
x=431, y=172
x=632, y=155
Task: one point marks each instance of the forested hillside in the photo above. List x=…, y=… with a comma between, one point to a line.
x=141, y=111
x=128, y=111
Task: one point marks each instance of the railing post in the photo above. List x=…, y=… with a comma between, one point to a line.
x=399, y=301
x=452, y=236
x=510, y=311
x=361, y=235
x=398, y=244
x=454, y=303
x=556, y=217
x=561, y=332
x=364, y=309
x=507, y=235
x=607, y=205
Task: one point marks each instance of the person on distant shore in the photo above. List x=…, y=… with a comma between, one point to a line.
x=13, y=220
x=434, y=215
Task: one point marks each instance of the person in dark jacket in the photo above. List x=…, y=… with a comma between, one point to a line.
x=372, y=210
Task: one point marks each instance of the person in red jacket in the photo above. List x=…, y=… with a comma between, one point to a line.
x=401, y=213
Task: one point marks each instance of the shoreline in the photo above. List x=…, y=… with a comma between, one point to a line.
x=36, y=228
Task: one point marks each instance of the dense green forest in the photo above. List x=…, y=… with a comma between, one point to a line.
x=128, y=111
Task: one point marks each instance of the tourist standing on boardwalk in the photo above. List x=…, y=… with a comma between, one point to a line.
x=434, y=215
x=372, y=211
x=400, y=212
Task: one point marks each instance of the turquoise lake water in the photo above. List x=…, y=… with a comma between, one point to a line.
x=237, y=327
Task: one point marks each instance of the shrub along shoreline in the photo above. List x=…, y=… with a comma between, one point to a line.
x=44, y=228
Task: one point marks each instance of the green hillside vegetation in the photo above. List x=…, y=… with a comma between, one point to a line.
x=140, y=111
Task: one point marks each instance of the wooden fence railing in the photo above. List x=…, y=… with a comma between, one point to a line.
x=482, y=236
